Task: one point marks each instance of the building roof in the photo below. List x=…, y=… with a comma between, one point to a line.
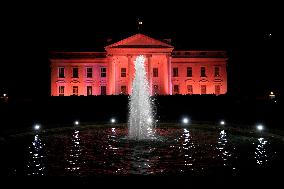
x=77, y=55
x=139, y=41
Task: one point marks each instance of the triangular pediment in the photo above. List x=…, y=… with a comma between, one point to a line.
x=139, y=41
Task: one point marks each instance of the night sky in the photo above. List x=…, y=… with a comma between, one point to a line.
x=251, y=33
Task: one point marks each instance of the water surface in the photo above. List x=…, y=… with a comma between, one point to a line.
x=93, y=151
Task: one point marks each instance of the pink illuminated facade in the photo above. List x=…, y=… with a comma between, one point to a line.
x=111, y=72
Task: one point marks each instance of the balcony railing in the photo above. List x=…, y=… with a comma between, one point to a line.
x=199, y=54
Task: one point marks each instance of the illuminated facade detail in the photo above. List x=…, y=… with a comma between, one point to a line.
x=111, y=72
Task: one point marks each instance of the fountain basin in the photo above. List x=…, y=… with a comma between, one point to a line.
x=96, y=150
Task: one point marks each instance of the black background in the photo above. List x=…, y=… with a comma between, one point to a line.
x=30, y=30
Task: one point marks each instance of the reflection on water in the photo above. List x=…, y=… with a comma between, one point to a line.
x=74, y=155
x=187, y=147
x=106, y=153
x=36, y=163
x=112, y=141
x=183, y=150
x=141, y=162
x=260, y=151
x=224, y=153
x=112, y=151
x=178, y=151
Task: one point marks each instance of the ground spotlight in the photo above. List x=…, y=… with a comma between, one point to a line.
x=185, y=120
x=260, y=127
x=112, y=120
x=37, y=127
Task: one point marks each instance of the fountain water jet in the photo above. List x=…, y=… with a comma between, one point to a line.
x=140, y=107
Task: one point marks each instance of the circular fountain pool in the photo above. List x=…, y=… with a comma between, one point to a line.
x=104, y=150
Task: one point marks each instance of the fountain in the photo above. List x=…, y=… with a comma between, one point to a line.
x=141, y=119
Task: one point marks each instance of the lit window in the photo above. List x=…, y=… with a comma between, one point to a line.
x=189, y=89
x=189, y=72
x=123, y=72
x=217, y=71
x=217, y=89
x=75, y=90
x=103, y=72
x=176, y=89
x=202, y=72
x=75, y=72
x=175, y=72
x=61, y=73
x=61, y=91
x=123, y=89
x=89, y=72
x=103, y=90
x=155, y=72
x=89, y=90
x=203, y=89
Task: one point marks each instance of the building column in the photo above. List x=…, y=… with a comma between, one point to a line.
x=169, y=66
x=111, y=76
x=114, y=71
x=82, y=84
x=165, y=74
x=68, y=80
x=54, y=73
x=129, y=73
x=149, y=57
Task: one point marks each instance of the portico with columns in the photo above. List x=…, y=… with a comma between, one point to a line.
x=122, y=56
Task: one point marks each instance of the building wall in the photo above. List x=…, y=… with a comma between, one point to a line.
x=163, y=61
x=82, y=81
x=210, y=80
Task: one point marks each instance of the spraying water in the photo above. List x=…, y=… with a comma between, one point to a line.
x=141, y=119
